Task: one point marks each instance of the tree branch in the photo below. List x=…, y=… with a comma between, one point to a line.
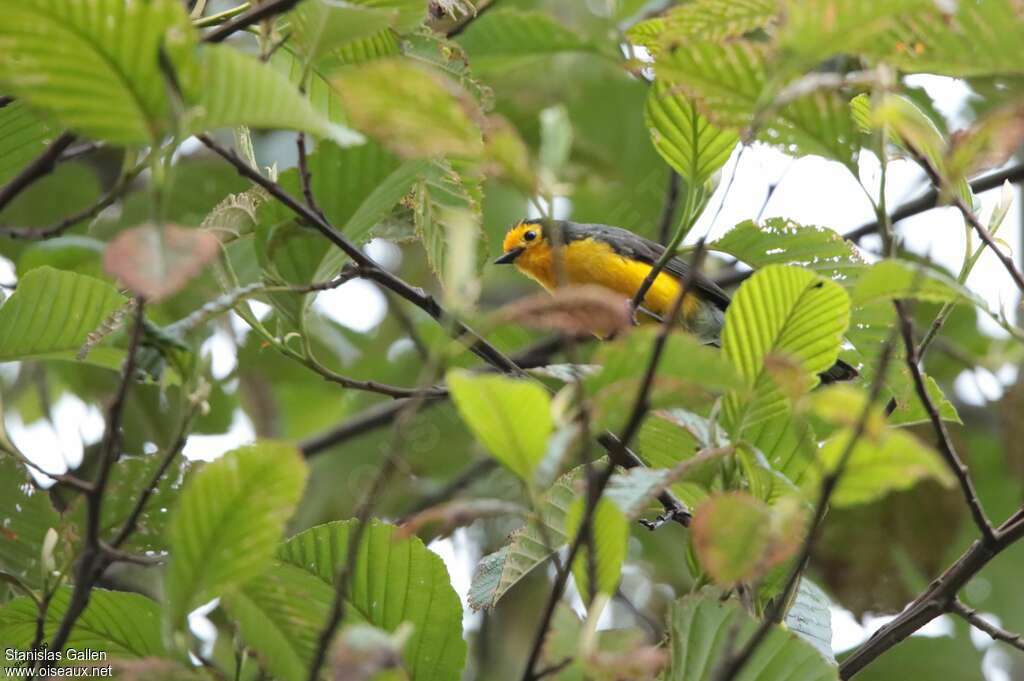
x=372, y=270
x=668, y=209
x=93, y=559
x=42, y=166
x=972, y=617
x=936, y=599
x=248, y=18
x=462, y=26
x=943, y=441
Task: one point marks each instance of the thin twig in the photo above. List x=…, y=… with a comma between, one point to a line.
x=971, y=218
x=58, y=228
x=93, y=560
x=971, y=616
x=248, y=18
x=943, y=441
x=305, y=177
x=478, y=345
x=40, y=167
x=462, y=26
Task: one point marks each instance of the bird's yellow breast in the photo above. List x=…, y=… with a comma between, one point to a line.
x=594, y=262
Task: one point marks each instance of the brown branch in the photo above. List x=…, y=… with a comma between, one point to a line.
x=971, y=218
x=462, y=26
x=58, y=228
x=945, y=445
x=42, y=166
x=936, y=599
x=372, y=270
x=971, y=616
x=305, y=177
x=248, y=18
x=94, y=560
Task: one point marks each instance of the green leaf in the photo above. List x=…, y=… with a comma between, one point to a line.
x=414, y=111
x=447, y=217
x=718, y=19
x=778, y=241
x=511, y=417
x=26, y=514
x=894, y=460
x=52, y=313
x=319, y=27
x=280, y=614
x=814, y=30
x=728, y=84
x=898, y=279
x=229, y=517
x=685, y=139
x=23, y=136
x=705, y=628
x=114, y=622
x=610, y=533
x=810, y=617
x=93, y=65
x=909, y=408
x=395, y=580
x=784, y=314
x=509, y=33
x=980, y=38
x=688, y=373
x=230, y=88
x=527, y=548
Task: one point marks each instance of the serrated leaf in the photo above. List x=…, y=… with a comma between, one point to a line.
x=319, y=27
x=413, y=110
x=781, y=241
x=978, y=38
x=114, y=622
x=228, y=88
x=280, y=614
x=495, y=409
x=93, y=65
x=22, y=137
x=730, y=535
x=718, y=19
x=895, y=460
x=785, y=311
x=228, y=519
x=52, y=313
x=510, y=33
x=609, y=531
x=810, y=617
x=898, y=279
x=687, y=141
x=702, y=626
x=394, y=581
x=814, y=30
x=909, y=408
x=728, y=84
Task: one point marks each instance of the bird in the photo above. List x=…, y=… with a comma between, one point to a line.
x=620, y=260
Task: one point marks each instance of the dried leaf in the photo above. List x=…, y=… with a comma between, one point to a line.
x=458, y=513
x=572, y=309
x=155, y=262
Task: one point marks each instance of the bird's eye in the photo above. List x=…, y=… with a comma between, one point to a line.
x=530, y=236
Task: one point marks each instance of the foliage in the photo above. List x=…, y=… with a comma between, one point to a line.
x=254, y=363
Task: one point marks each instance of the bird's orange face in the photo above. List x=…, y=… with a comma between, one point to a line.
x=521, y=238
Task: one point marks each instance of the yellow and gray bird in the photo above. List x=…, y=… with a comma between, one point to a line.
x=619, y=260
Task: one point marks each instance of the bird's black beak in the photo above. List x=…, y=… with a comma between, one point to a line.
x=510, y=257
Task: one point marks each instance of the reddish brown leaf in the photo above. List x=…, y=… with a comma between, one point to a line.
x=155, y=262
x=572, y=309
